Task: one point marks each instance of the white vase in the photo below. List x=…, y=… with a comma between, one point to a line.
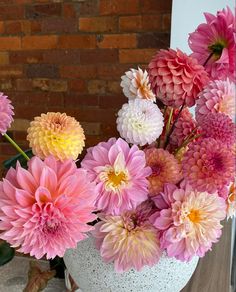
x=91, y=274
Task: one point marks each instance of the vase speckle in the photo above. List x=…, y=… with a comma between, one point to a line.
x=91, y=274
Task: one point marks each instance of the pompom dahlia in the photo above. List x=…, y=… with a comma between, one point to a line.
x=6, y=113
x=208, y=165
x=213, y=44
x=183, y=127
x=120, y=173
x=140, y=122
x=56, y=134
x=217, y=96
x=176, y=78
x=189, y=221
x=165, y=169
x=129, y=239
x=231, y=201
x=45, y=210
x=135, y=84
x=218, y=126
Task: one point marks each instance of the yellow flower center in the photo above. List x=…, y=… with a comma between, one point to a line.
x=116, y=179
x=194, y=216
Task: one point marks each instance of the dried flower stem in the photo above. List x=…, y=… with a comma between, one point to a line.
x=16, y=146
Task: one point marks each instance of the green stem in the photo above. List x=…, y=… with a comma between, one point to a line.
x=186, y=142
x=13, y=143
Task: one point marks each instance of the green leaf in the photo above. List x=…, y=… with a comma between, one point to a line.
x=13, y=160
x=6, y=253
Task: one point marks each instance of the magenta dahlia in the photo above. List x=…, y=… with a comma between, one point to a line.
x=208, y=165
x=120, y=174
x=218, y=126
x=45, y=210
x=213, y=44
x=217, y=96
x=176, y=78
x=6, y=113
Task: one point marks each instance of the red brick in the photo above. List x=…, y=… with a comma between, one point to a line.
x=158, y=40
x=10, y=43
x=111, y=71
x=77, y=100
x=136, y=55
x=96, y=86
x=140, y=23
x=62, y=56
x=88, y=7
x=35, y=26
x=109, y=129
x=98, y=24
x=78, y=85
x=99, y=56
x=23, y=84
x=5, y=84
x=39, y=42
x=11, y=12
x=118, y=41
x=166, y=22
x=91, y=128
x=112, y=101
x=59, y=25
x=13, y=27
x=79, y=71
x=4, y=58
x=154, y=6
x=58, y=85
x=42, y=70
x=43, y=10
x=2, y=28
x=11, y=71
x=119, y=7
x=70, y=10
x=114, y=87
x=41, y=84
x=77, y=42
x=19, y=136
x=23, y=57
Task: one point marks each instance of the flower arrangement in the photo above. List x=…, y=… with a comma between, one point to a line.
x=164, y=185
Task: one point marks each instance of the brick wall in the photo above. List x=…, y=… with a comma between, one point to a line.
x=68, y=56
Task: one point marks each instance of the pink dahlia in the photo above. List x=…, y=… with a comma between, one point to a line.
x=231, y=201
x=183, y=127
x=176, y=78
x=213, y=44
x=44, y=210
x=208, y=165
x=189, y=221
x=120, y=174
x=218, y=126
x=165, y=169
x=129, y=239
x=217, y=96
x=6, y=113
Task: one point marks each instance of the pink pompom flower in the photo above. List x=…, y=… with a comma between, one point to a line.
x=217, y=96
x=129, y=239
x=176, y=78
x=208, y=165
x=45, y=210
x=120, y=174
x=218, y=126
x=6, y=113
x=213, y=44
x=189, y=221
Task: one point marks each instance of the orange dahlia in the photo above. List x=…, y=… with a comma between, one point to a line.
x=56, y=134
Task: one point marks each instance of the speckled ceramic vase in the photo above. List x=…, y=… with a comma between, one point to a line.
x=91, y=274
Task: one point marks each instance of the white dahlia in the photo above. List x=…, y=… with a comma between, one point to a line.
x=135, y=84
x=140, y=122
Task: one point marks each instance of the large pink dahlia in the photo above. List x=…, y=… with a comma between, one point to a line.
x=6, y=113
x=189, y=221
x=45, y=210
x=217, y=96
x=208, y=165
x=218, y=126
x=129, y=239
x=213, y=44
x=165, y=169
x=120, y=173
x=176, y=78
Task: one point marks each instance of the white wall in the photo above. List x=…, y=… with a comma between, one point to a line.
x=187, y=15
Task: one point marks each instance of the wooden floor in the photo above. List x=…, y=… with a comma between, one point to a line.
x=213, y=271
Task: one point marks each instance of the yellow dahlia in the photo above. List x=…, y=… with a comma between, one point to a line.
x=56, y=134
